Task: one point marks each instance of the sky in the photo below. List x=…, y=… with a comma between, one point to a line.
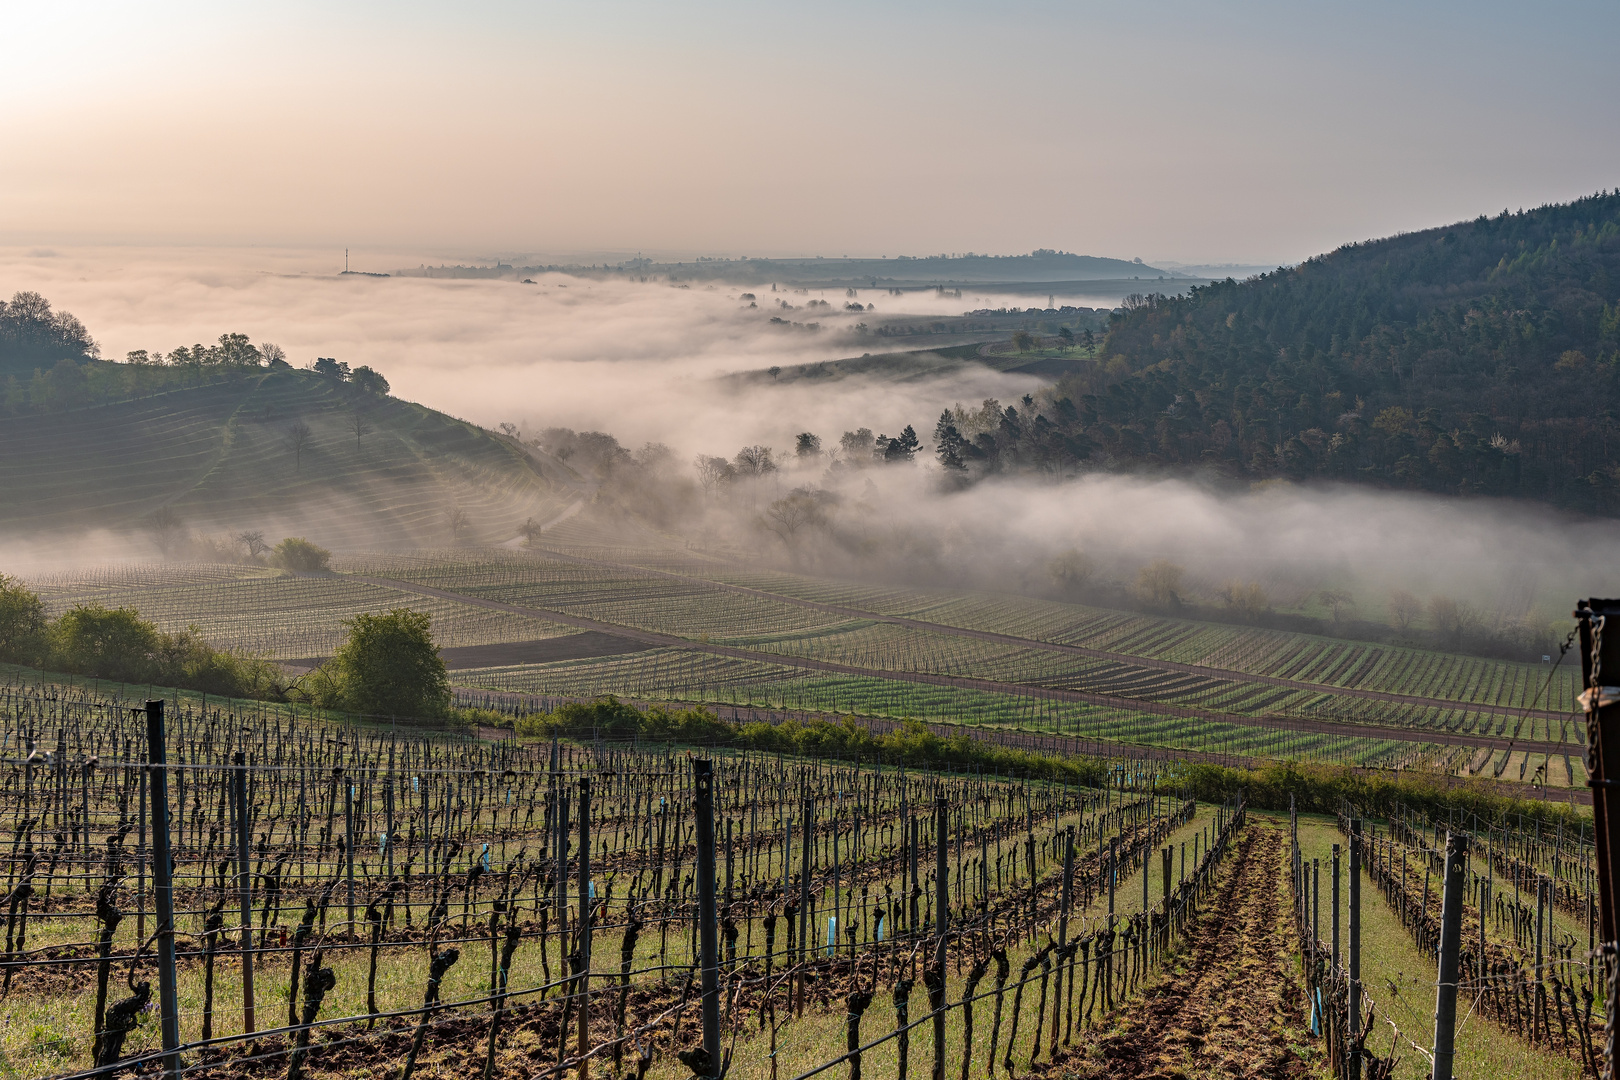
x=1242, y=132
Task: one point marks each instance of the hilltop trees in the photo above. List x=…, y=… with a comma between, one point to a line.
x=336, y=370
x=372, y=382
x=49, y=362
x=1481, y=357
x=33, y=336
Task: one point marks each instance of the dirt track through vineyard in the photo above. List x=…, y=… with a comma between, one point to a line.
x=1231, y=1005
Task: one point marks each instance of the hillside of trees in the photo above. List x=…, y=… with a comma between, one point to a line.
x=1478, y=358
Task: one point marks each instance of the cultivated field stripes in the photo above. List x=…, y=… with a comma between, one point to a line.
x=284, y=616
x=765, y=646
x=680, y=676
x=665, y=608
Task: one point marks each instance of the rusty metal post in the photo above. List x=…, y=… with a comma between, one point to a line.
x=1600, y=667
x=1451, y=920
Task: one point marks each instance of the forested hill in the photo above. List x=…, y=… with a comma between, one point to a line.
x=1482, y=357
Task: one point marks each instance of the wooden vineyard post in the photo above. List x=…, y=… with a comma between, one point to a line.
x=1169, y=856
x=140, y=856
x=584, y=936
x=348, y=844
x=1063, y=934
x=388, y=812
x=1355, y=948
x=1541, y=956
x=1336, y=957
x=1600, y=665
x=703, y=782
x=244, y=887
x=913, y=828
x=1451, y=919
x=804, y=952
x=1316, y=906
x=1113, y=858
x=942, y=901
x=168, y=998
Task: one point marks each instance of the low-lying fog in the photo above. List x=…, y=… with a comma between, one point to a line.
x=642, y=361
x=631, y=358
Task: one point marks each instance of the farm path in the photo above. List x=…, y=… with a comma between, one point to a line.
x=1231, y=1009
x=1130, y=659
x=656, y=639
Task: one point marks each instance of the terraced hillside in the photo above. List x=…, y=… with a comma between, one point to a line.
x=227, y=456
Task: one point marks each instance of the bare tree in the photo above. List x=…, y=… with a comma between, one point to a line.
x=1452, y=619
x=1072, y=570
x=456, y=518
x=1159, y=583
x=1405, y=609
x=359, y=425
x=254, y=542
x=167, y=529
x=510, y=430
x=298, y=436
x=531, y=530
x=1245, y=598
x=1335, y=600
x=273, y=354
x=786, y=516
x=755, y=461
x=713, y=473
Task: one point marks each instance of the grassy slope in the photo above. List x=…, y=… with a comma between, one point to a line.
x=219, y=456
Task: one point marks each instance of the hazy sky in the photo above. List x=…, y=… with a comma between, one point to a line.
x=1198, y=132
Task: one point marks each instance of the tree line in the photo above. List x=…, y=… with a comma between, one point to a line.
x=49, y=362
x=1478, y=358
x=117, y=644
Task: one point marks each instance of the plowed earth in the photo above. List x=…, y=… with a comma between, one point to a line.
x=1230, y=1007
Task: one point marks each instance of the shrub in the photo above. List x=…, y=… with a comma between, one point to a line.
x=108, y=643
x=296, y=553
x=22, y=622
x=471, y=716
x=118, y=644
x=389, y=666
